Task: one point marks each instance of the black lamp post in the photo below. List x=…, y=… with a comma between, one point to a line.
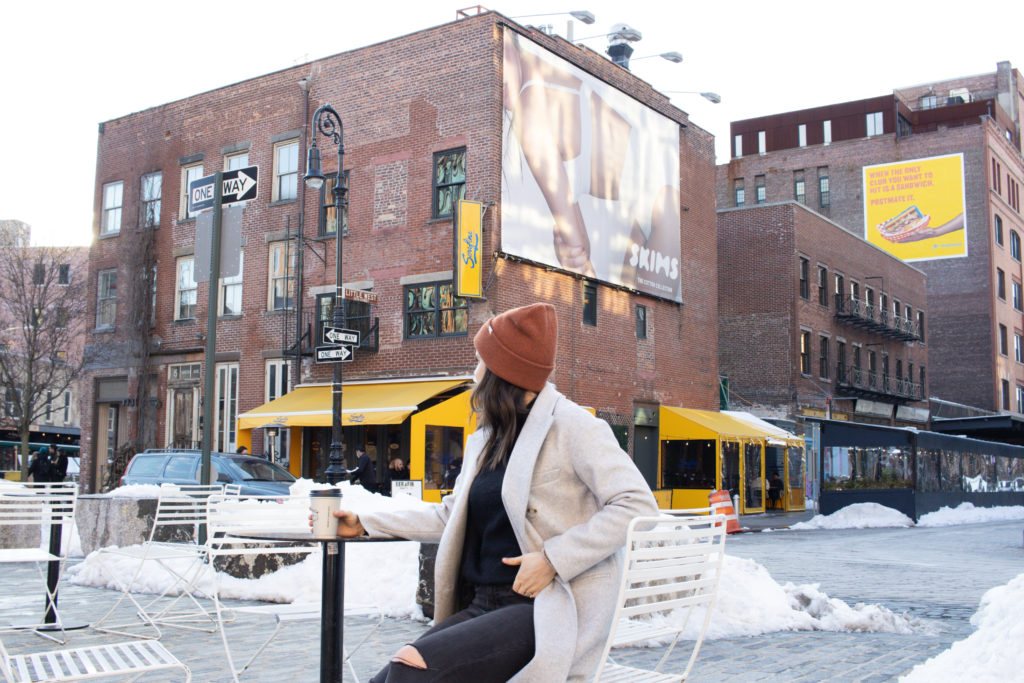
x=327, y=122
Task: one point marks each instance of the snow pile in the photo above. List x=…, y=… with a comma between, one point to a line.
x=134, y=491
x=967, y=513
x=993, y=652
x=858, y=516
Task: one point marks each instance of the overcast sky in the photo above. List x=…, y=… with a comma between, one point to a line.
x=68, y=65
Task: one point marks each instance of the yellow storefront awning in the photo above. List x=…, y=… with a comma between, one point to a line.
x=690, y=423
x=377, y=403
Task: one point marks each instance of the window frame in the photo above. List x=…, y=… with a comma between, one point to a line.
x=183, y=289
x=189, y=173
x=151, y=189
x=359, y=319
x=824, y=189
x=824, y=360
x=739, y=192
x=804, y=281
x=997, y=228
x=279, y=192
x=64, y=274
x=737, y=149
x=327, y=206
x=762, y=142
x=826, y=131
x=590, y=304
x=1003, y=340
x=874, y=123
x=805, y=353
x=232, y=163
x=438, y=311
x=436, y=188
x=823, y=286
x=1001, y=284
x=106, y=306
x=288, y=276
x=641, y=321
x=113, y=204
x=801, y=135
x=234, y=282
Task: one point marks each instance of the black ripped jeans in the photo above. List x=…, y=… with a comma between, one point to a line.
x=488, y=642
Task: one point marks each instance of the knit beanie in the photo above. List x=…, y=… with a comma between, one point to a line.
x=519, y=345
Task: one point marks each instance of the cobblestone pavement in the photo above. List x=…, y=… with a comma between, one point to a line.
x=935, y=576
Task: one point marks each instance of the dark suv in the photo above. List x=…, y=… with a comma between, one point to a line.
x=178, y=466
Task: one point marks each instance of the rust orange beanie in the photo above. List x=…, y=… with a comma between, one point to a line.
x=519, y=345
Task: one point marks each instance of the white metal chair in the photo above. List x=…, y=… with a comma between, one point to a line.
x=133, y=658
x=672, y=564
x=29, y=511
x=182, y=507
x=229, y=516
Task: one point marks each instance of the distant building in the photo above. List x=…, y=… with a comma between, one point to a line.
x=932, y=175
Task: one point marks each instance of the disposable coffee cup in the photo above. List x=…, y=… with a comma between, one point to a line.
x=323, y=503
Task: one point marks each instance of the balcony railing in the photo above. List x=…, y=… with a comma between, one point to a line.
x=860, y=313
x=856, y=381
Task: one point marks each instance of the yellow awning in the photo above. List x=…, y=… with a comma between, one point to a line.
x=689, y=423
x=378, y=403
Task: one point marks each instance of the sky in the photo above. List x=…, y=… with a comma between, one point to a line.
x=69, y=65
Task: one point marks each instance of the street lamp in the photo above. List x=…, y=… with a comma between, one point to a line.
x=579, y=15
x=713, y=98
x=327, y=122
x=673, y=57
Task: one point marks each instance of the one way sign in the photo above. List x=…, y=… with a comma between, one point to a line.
x=238, y=185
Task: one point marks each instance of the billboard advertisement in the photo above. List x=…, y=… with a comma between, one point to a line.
x=590, y=176
x=914, y=209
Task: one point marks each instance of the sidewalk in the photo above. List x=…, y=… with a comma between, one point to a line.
x=933, y=575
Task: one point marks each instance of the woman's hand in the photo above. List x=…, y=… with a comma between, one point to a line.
x=349, y=525
x=535, y=573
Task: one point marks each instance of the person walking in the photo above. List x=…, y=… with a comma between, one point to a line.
x=528, y=561
x=41, y=470
x=364, y=472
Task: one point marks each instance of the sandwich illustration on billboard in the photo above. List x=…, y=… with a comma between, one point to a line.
x=905, y=226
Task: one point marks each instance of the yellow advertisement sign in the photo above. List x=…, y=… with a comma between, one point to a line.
x=468, y=248
x=914, y=209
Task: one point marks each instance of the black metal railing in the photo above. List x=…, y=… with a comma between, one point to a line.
x=861, y=313
x=858, y=381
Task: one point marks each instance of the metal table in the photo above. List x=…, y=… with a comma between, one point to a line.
x=332, y=598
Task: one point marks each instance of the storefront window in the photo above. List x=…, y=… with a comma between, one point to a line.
x=928, y=464
x=978, y=474
x=867, y=468
x=949, y=471
x=442, y=457
x=688, y=464
x=731, y=467
x=1010, y=474
x=796, y=468
x=754, y=477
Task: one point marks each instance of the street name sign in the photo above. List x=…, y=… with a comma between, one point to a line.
x=339, y=335
x=238, y=185
x=334, y=354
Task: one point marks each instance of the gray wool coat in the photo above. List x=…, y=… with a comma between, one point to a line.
x=568, y=489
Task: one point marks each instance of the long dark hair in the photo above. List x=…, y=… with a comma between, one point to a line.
x=497, y=403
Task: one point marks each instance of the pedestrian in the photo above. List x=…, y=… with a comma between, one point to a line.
x=242, y=450
x=364, y=472
x=454, y=468
x=527, y=567
x=41, y=470
x=60, y=466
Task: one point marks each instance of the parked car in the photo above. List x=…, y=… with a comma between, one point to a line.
x=178, y=466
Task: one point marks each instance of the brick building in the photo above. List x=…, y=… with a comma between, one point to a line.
x=803, y=319
x=931, y=174
x=426, y=120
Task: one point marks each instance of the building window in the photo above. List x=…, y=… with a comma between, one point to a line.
x=589, y=303
x=281, y=281
x=106, y=298
x=38, y=273
x=920, y=325
x=151, y=190
x=231, y=291
x=805, y=353
x=641, y=322
x=1016, y=295
x=801, y=135
x=1002, y=339
x=855, y=291
x=840, y=292
x=899, y=369
x=12, y=402
x=188, y=175
x=762, y=146
x=49, y=406
x=738, y=191
x=929, y=101
x=823, y=362
x=840, y=361
x=185, y=289
x=998, y=224
x=874, y=123
x=233, y=162
x=805, y=286
x=1018, y=348
x=277, y=379
x=824, y=199
x=896, y=311
x=1020, y=399
x=1005, y=385
x=64, y=274
x=226, y=408
x=826, y=131
x=823, y=286
x=328, y=220
x=921, y=371
x=856, y=356
x=67, y=407
x=449, y=181
x=286, y=171
x=737, y=146
x=433, y=310
x=356, y=315
x=113, y=197
x=760, y=193
x=799, y=190
x=1001, y=284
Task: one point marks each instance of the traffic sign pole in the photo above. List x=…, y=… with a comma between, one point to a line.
x=211, y=338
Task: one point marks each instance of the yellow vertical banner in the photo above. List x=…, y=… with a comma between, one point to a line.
x=469, y=249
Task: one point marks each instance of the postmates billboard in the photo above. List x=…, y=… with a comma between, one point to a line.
x=590, y=176
x=915, y=209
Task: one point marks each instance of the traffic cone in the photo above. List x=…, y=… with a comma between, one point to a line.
x=721, y=501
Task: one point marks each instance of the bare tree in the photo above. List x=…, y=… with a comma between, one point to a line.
x=42, y=319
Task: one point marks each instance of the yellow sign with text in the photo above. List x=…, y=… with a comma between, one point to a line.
x=469, y=265
x=914, y=209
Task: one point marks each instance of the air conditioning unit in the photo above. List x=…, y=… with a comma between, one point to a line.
x=958, y=96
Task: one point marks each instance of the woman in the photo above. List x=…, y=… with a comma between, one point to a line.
x=529, y=538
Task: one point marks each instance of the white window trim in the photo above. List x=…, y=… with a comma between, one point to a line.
x=289, y=273
x=236, y=160
x=113, y=203
x=801, y=134
x=226, y=282
x=183, y=213
x=737, y=150
x=276, y=189
x=179, y=289
x=102, y=302
x=762, y=144
x=826, y=131
x=151, y=181
x=225, y=413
